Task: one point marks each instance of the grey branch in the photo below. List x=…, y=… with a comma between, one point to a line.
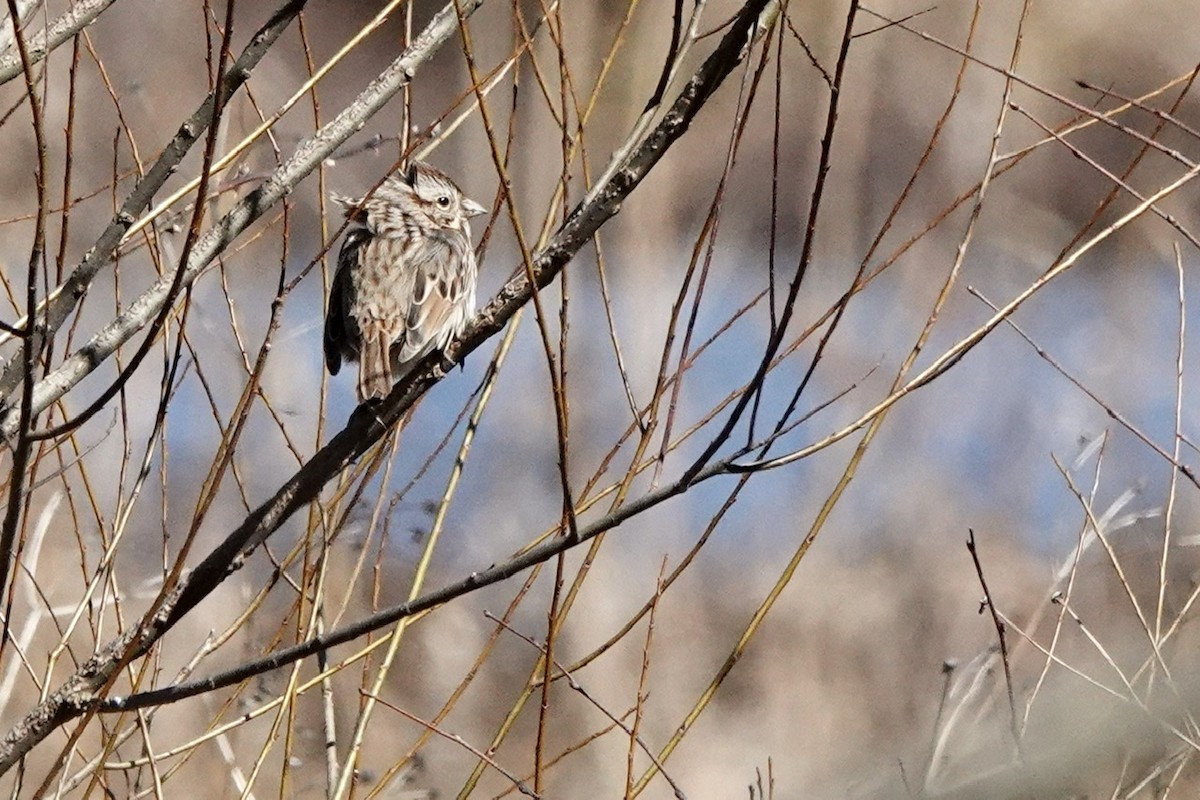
x=8, y=31
x=81, y=15
x=307, y=157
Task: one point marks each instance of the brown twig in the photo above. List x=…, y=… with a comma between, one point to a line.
x=1001, y=635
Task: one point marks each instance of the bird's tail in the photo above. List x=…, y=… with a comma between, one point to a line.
x=374, y=368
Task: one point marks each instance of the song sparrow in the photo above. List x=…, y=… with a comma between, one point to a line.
x=405, y=279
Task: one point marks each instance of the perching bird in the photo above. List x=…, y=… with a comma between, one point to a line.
x=405, y=279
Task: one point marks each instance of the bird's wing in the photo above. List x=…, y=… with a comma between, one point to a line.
x=443, y=293
x=382, y=282
x=341, y=334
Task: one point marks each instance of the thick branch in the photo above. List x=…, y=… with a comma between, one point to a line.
x=81, y=15
x=9, y=27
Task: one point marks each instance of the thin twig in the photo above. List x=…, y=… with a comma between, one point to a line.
x=990, y=604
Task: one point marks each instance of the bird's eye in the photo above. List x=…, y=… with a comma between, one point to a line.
x=444, y=201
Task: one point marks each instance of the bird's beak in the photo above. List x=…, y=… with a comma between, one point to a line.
x=472, y=208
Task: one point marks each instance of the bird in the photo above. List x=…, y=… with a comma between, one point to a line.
x=405, y=278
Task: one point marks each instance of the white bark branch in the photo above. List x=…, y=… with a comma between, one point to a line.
x=81, y=15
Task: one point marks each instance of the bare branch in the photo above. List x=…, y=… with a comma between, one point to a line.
x=82, y=14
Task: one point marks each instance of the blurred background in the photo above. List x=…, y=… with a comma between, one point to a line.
x=876, y=671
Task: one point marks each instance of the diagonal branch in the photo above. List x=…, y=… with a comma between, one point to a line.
x=81, y=15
